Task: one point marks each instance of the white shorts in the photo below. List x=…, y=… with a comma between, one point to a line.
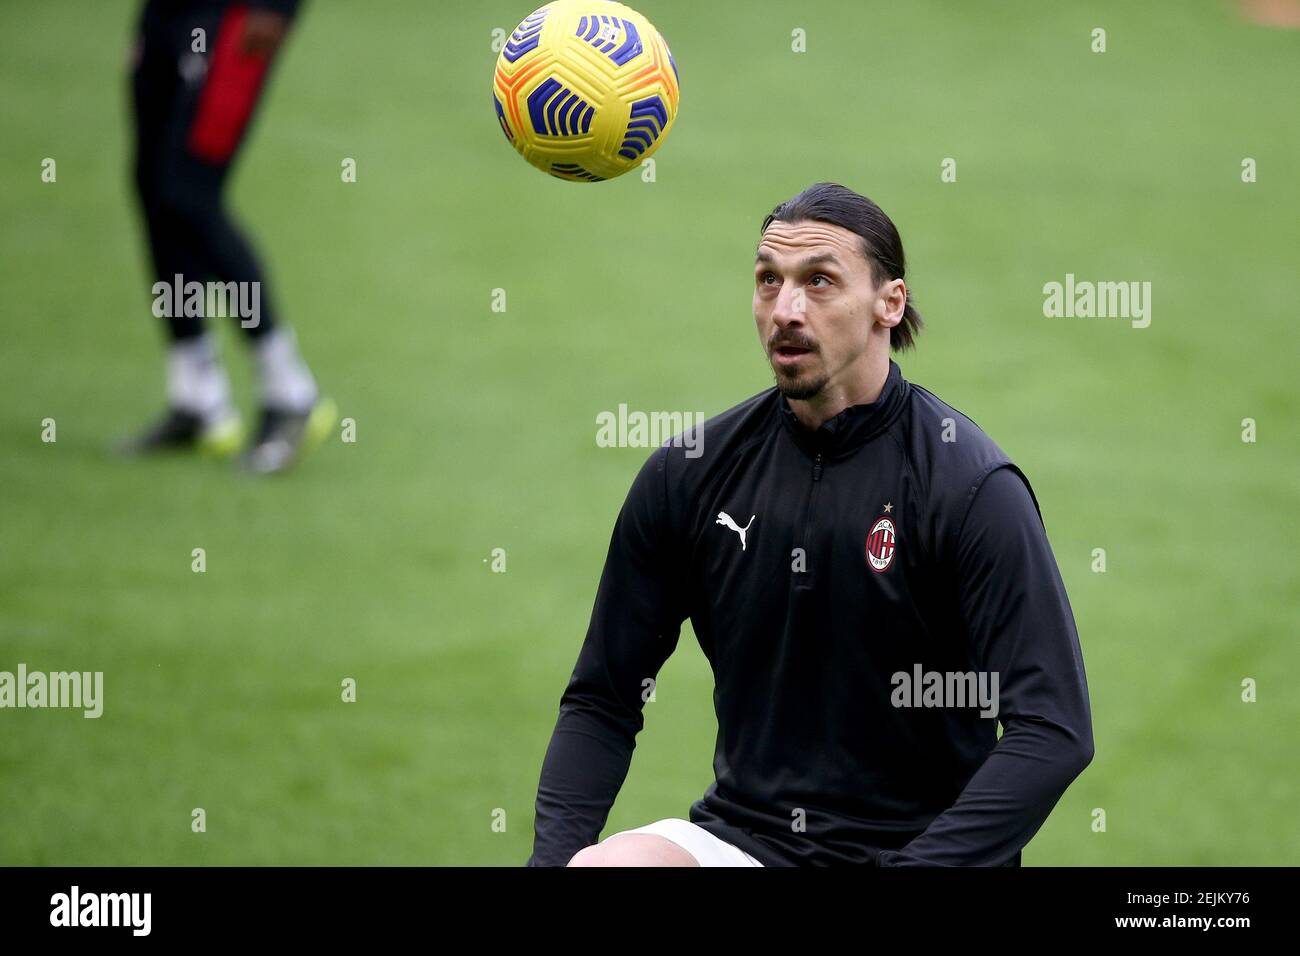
x=707, y=849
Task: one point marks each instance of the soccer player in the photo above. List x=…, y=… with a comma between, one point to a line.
x=199, y=68
x=841, y=534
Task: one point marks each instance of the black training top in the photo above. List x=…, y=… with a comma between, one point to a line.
x=818, y=568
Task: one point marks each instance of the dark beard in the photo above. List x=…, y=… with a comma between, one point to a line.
x=801, y=389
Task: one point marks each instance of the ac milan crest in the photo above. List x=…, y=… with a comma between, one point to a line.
x=882, y=542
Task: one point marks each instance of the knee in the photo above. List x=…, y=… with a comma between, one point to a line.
x=177, y=202
x=588, y=856
x=633, y=849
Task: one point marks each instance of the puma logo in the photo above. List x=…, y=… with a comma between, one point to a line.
x=726, y=519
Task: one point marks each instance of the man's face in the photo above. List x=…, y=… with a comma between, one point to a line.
x=814, y=303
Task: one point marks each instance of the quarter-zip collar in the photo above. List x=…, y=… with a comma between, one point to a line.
x=852, y=428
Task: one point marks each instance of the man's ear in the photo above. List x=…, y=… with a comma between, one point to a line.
x=891, y=300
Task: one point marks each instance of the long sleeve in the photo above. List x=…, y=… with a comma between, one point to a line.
x=1021, y=627
x=634, y=628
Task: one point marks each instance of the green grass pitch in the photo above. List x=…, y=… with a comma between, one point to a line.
x=476, y=429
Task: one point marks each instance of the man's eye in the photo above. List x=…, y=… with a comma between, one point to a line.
x=820, y=276
x=765, y=276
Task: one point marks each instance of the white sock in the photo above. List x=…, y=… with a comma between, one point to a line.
x=196, y=382
x=283, y=377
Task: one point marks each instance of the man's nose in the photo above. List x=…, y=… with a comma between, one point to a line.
x=790, y=307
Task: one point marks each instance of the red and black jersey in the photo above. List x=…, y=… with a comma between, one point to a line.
x=196, y=87
x=287, y=7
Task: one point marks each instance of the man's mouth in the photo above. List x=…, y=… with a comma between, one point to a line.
x=786, y=355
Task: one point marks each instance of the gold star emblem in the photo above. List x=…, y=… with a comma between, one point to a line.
x=888, y=507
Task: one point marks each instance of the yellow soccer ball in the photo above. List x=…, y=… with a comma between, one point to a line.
x=585, y=89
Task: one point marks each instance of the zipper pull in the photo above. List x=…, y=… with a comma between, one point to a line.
x=817, y=467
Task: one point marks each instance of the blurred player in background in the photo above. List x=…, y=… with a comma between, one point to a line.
x=198, y=70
